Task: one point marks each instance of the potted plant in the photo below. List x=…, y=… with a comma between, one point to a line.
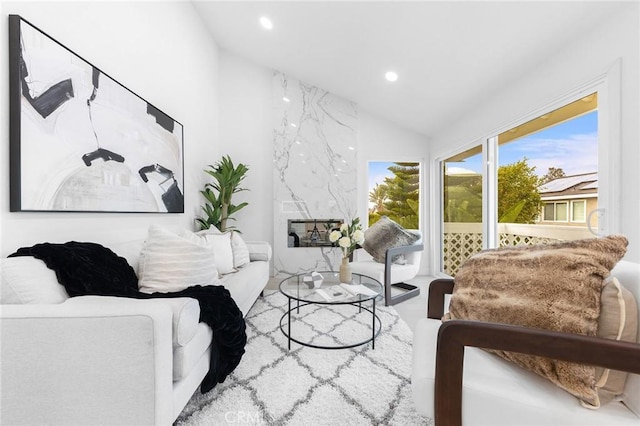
x=218, y=207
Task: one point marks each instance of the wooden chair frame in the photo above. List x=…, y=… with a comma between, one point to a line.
x=455, y=335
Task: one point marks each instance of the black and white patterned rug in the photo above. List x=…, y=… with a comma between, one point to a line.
x=308, y=386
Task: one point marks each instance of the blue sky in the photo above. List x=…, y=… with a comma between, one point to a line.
x=571, y=146
x=378, y=170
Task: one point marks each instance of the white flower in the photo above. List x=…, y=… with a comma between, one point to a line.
x=348, y=237
x=344, y=242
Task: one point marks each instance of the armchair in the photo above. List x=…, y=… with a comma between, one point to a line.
x=393, y=275
x=489, y=390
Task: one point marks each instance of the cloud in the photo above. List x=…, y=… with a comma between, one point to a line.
x=459, y=171
x=574, y=154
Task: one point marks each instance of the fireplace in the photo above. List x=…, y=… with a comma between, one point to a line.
x=311, y=232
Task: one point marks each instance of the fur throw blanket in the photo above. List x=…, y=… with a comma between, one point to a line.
x=91, y=269
x=555, y=287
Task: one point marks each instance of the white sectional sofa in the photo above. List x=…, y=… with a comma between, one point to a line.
x=105, y=360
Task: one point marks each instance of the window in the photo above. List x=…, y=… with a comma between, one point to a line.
x=545, y=171
x=394, y=191
x=544, y=164
x=462, y=210
x=555, y=212
x=549, y=212
x=578, y=211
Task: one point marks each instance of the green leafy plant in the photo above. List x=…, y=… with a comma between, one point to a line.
x=218, y=207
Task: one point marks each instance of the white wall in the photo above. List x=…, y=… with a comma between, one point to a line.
x=159, y=50
x=246, y=135
x=246, y=132
x=577, y=64
x=381, y=140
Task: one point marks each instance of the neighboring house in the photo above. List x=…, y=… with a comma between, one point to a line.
x=568, y=200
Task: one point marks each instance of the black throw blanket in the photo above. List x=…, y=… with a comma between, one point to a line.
x=91, y=269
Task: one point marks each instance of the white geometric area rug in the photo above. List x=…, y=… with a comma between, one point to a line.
x=307, y=386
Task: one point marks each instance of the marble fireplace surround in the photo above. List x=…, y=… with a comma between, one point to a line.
x=315, y=169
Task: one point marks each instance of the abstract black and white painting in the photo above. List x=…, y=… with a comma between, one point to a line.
x=82, y=142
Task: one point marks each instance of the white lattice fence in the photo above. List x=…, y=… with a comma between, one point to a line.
x=458, y=247
x=520, y=240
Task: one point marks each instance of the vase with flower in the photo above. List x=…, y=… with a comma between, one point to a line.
x=348, y=238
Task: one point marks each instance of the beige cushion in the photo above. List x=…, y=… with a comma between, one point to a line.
x=386, y=234
x=499, y=393
x=618, y=321
x=170, y=262
x=27, y=280
x=555, y=287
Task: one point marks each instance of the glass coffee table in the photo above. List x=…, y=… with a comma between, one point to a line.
x=361, y=294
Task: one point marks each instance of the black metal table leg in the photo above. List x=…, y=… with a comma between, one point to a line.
x=289, y=324
x=373, y=326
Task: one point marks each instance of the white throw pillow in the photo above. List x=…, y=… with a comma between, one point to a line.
x=170, y=262
x=221, y=244
x=27, y=280
x=240, y=250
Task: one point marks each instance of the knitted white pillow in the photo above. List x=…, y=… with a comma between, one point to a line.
x=170, y=262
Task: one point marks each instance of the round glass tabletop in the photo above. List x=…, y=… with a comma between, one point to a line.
x=329, y=290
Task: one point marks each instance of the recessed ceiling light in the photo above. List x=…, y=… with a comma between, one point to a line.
x=284, y=98
x=352, y=148
x=391, y=76
x=266, y=23
x=294, y=125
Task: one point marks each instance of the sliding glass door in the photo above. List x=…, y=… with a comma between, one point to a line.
x=462, y=208
x=536, y=182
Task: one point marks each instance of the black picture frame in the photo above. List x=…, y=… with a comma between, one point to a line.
x=82, y=142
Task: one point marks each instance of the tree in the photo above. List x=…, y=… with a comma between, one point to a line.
x=378, y=196
x=552, y=174
x=518, y=194
x=463, y=198
x=402, y=193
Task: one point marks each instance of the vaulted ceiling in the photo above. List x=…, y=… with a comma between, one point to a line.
x=449, y=55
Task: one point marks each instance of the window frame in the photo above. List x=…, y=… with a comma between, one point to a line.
x=584, y=211
x=607, y=85
x=555, y=211
x=422, y=197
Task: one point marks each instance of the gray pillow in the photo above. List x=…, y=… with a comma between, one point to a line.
x=386, y=234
